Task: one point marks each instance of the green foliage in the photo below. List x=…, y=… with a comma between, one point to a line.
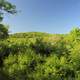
x=6, y=6
x=30, y=35
x=40, y=57
x=3, y=31
x=42, y=47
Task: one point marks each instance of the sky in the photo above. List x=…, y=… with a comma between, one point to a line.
x=51, y=16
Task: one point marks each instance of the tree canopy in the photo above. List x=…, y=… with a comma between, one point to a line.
x=6, y=6
x=3, y=31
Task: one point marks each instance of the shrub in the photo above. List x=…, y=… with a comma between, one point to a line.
x=3, y=31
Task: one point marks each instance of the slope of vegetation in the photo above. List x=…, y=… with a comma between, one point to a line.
x=40, y=56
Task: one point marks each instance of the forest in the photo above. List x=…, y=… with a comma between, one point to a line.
x=38, y=55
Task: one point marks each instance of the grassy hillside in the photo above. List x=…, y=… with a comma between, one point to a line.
x=40, y=56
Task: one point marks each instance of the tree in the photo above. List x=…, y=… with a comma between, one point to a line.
x=6, y=6
x=3, y=31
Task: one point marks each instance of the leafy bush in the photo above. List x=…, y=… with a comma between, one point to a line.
x=3, y=31
x=40, y=58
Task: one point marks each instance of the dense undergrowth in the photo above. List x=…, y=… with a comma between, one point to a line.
x=40, y=56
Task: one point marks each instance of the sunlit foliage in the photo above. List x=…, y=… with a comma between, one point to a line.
x=40, y=56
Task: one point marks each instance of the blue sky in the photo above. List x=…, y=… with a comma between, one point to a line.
x=52, y=16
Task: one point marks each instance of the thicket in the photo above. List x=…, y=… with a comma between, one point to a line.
x=40, y=56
